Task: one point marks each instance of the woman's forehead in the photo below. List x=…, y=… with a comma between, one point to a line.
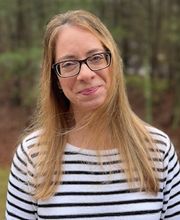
x=73, y=40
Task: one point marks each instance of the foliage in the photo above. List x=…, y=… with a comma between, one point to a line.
x=146, y=31
x=20, y=71
x=144, y=86
x=135, y=81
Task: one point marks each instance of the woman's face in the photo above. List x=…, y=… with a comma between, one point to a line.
x=87, y=90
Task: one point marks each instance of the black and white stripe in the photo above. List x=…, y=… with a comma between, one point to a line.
x=95, y=189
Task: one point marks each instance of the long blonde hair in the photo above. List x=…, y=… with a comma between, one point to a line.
x=128, y=132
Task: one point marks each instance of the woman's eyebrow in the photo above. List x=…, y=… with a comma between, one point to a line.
x=74, y=57
x=66, y=57
x=93, y=51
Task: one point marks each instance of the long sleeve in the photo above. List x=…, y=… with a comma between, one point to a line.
x=20, y=204
x=171, y=191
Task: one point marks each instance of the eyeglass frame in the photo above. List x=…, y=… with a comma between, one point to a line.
x=106, y=53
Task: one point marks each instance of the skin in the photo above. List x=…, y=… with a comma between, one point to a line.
x=88, y=90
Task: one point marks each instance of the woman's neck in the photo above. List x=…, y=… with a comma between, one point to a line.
x=86, y=138
x=89, y=134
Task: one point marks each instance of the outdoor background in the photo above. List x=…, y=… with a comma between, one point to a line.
x=147, y=33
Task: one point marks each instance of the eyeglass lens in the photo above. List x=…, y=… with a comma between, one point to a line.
x=95, y=62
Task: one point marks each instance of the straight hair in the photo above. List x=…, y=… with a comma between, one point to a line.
x=129, y=134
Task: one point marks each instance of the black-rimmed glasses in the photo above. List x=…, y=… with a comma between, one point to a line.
x=70, y=68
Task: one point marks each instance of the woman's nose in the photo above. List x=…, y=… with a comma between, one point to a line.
x=85, y=73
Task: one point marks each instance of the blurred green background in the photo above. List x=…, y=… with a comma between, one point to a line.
x=147, y=33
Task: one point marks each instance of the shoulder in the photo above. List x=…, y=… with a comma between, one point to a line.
x=157, y=133
x=167, y=153
x=27, y=149
x=31, y=138
x=161, y=139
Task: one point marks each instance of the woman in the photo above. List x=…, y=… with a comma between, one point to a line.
x=90, y=156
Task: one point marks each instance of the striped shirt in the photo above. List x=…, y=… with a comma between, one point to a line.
x=95, y=190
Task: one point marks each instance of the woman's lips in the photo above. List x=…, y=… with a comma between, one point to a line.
x=89, y=91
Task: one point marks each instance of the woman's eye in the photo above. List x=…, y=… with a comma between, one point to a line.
x=97, y=58
x=68, y=64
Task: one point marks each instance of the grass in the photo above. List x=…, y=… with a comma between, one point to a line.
x=4, y=173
